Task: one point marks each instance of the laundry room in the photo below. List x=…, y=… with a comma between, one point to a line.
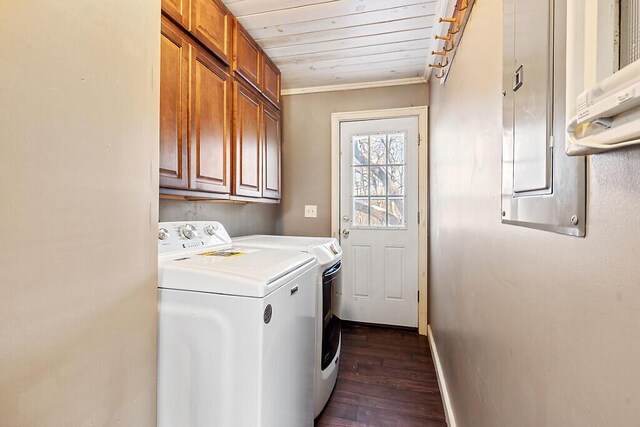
x=295, y=213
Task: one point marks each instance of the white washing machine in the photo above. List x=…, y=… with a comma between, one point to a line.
x=328, y=253
x=235, y=331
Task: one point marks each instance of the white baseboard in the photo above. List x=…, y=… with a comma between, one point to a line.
x=444, y=392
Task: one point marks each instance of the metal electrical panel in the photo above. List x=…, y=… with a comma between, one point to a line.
x=541, y=187
x=532, y=63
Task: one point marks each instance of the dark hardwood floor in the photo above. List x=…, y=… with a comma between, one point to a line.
x=386, y=378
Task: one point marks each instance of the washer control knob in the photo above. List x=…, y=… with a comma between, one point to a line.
x=210, y=229
x=163, y=233
x=188, y=231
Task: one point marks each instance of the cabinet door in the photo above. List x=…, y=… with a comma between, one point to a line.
x=210, y=120
x=178, y=10
x=248, y=161
x=211, y=23
x=247, y=58
x=271, y=80
x=271, y=129
x=174, y=86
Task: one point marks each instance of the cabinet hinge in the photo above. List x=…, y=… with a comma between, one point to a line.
x=419, y=139
x=418, y=217
x=418, y=296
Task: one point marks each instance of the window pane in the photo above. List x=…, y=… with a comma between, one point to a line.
x=360, y=181
x=378, y=149
x=396, y=149
x=378, y=211
x=360, y=150
x=396, y=180
x=378, y=178
x=396, y=211
x=361, y=212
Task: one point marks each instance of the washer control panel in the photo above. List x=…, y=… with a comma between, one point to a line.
x=174, y=236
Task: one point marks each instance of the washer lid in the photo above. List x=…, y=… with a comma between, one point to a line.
x=232, y=271
x=326, y=249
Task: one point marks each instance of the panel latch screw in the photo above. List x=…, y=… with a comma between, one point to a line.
x=574, y=220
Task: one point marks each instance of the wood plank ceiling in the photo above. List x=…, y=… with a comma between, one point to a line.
x=318, y=43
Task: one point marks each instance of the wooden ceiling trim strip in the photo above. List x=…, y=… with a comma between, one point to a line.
x=319, y=11
x=364, y=59
x=357, y=41
x=416, y=70
x=256, y=7
x=411, y=64
x=354, y=86
x=345, y=21
x=353, y=78
x=351, y=43
x=355, y=52
x=386, y=27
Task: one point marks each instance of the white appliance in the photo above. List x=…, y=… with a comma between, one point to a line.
x=235, y=331
x=328, y=254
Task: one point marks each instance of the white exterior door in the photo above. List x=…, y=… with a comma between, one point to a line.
x=379, y=220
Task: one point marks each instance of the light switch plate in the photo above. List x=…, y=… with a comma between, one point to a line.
x=310, y=211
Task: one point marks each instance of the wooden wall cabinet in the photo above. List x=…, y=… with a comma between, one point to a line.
x=270, y=80
x=207, y=20
x=248, y=137
x=195, y=116
x=257, y=150
x=247, y=56
x=272, y=152
x=220, y=134
x=174, y=87
x=210, y=118
x=178, y=10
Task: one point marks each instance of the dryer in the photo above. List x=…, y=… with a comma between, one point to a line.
x=328, y=254
x=235, y=331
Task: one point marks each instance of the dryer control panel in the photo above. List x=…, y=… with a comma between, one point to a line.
x=175, y=236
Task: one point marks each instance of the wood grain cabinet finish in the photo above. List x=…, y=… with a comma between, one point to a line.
x=247, y=57
x=271, y=80
x=247, y=136
x=174, y=87
x=209, y=21
x=212, y=24
x=210, y=124
x=271, y=148
x=178, y=10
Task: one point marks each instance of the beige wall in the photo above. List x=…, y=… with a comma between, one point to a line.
x=533, y=328
x=78, y=210
x=238, y=219
x=306, y=167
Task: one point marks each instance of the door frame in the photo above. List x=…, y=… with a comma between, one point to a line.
x=422, y=113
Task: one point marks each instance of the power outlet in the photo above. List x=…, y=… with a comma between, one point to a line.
x=310, y=211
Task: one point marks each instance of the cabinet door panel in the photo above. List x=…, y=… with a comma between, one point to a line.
x=211, y=23
x=178, y=10
x=272, y=153
x=248, y=162
x=210, y=125
x=247, y=59
x=174, y=81
x=271, y=81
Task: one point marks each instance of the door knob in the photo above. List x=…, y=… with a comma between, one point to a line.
x=345, y=232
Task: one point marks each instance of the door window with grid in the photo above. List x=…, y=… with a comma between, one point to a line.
x=378, y=180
